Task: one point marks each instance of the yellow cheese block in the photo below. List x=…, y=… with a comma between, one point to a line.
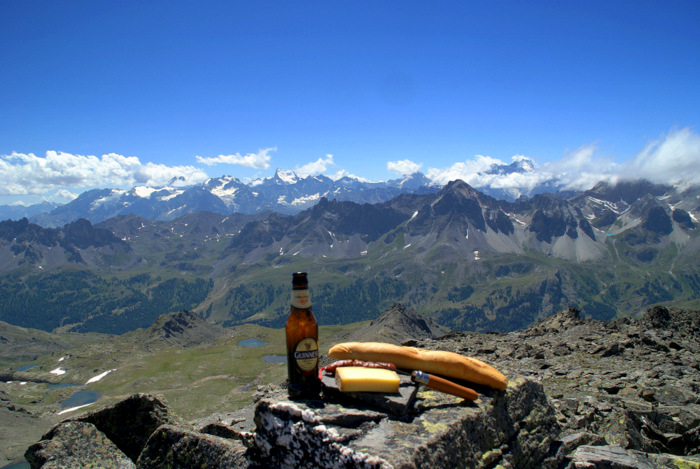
x=360, y=379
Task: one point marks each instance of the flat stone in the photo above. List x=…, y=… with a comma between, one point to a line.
x=608, y=456
x=396, y=403
x=511, y=427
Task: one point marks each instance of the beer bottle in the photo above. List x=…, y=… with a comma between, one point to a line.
x=302, y=342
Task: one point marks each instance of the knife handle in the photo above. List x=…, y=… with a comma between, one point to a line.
x=443, y=385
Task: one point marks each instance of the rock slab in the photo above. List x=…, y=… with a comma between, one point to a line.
x=171, y=446
x=513, y=428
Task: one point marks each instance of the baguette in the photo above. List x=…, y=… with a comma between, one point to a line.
x=449, y=364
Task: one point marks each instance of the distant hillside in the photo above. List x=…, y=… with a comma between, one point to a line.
x=185, y=329
x=20, y=344
x=78, y=242
x=457, y=256
x=397, y=325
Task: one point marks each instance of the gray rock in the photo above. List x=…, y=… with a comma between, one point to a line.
x=658, y=317
x=636, y=380
x=129, y=423
x=608, y=457
x=570, y=442
x=513, y=428
x=174, y=447
x=76, y=444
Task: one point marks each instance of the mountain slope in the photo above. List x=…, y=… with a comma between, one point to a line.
x=185, y=329
x=22, y=243
x=458, y=256
x=397, y=325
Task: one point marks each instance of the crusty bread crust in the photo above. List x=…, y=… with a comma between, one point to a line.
x=449, y=364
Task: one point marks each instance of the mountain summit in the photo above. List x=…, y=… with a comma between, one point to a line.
x=184, y=328
x=397, y=325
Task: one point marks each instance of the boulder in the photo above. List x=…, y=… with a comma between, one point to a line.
x=171, y=446
x=130, y=423
x=113, y=436
x=657, y=317
x=76, y=444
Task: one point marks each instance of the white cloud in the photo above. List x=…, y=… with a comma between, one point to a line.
x=671, y=159
x=403, y=167
x=674, y=158
x=582, y=168
x=28, y=174
x=315, y=167
x=259, y=160
x=480, y=172
x=64, y=196
x=345, y=173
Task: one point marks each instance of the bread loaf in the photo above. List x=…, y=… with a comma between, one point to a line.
x=449, y=364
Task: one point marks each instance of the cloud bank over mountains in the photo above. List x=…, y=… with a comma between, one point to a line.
x=28, y=174
x=672, y=158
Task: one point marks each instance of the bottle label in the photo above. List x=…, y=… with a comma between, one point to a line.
x=301, y=299
x=306, y=354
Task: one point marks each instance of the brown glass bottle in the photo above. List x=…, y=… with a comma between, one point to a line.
x=302, y=342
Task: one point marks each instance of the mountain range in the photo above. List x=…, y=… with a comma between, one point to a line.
x=285, y=192
x=455, y=254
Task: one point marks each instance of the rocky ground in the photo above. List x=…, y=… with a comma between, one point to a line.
x=581, y=393
x=628, y=382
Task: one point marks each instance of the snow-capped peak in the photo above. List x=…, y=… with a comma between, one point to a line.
x=287, y=176
x=524, y=163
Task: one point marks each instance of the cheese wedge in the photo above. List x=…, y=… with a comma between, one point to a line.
x=360, y=379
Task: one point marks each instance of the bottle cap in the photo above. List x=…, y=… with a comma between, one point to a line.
x=299, y=279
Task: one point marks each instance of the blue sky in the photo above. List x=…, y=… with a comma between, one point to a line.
x=113, y=94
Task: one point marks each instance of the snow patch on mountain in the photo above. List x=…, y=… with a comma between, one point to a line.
x=287, y=176
x=224, y=191
x=143, y=191
x=172, y=195
x=113, y=196
x=306, y=200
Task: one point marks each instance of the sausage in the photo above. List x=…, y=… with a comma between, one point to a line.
x=332, y=367
x=386, y=366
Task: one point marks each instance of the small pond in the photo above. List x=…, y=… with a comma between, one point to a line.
x=81, y=398
x=17, y=465
x=275, y=359
x=26, y=367
x=252, y=343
